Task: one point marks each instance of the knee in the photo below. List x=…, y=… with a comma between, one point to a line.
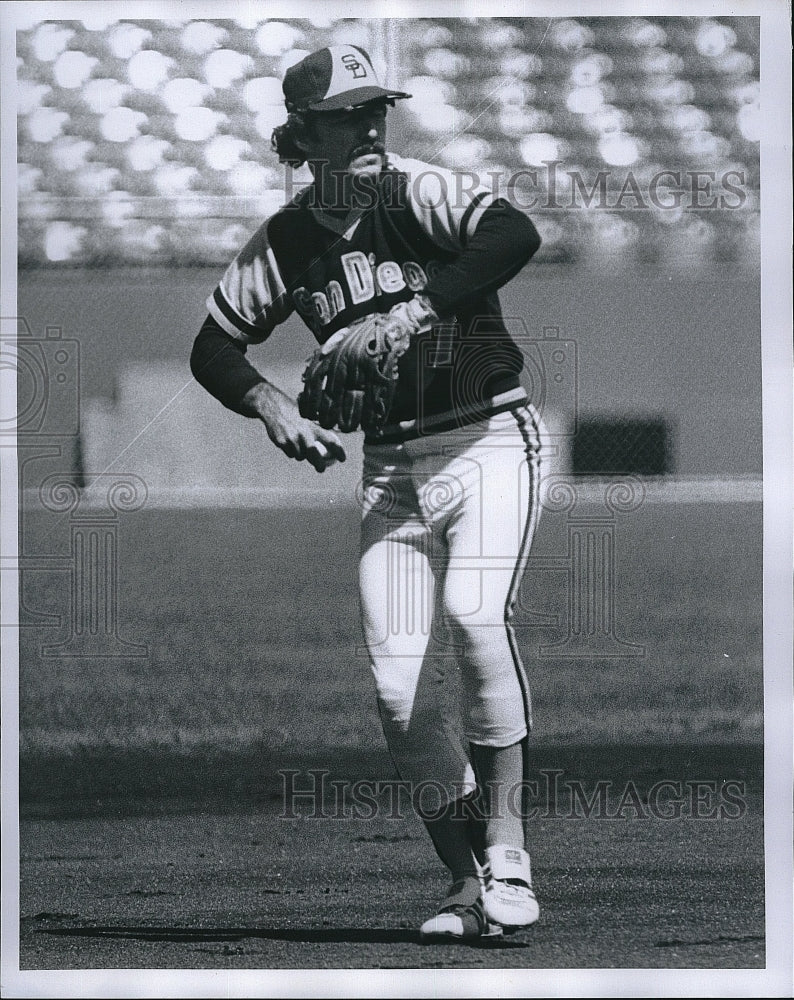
x=469, y=606
x=472, y=627
x=394, y=698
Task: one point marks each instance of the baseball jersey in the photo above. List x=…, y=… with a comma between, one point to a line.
x=423, y=231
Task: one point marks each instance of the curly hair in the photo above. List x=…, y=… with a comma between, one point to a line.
x=283, y=140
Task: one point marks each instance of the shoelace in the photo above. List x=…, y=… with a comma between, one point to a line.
x=517, y=886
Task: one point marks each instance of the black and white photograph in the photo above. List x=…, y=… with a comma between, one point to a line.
x=396, y=499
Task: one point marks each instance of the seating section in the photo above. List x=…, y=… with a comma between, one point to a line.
x=627, y=139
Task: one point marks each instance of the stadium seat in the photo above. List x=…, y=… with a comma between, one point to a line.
x=121, y=124
x=28, y=179
x=260, y=91
x=49, y=40
x=102, y=93
x=274, y=38
x=72, y=69
x=201, y=37
x=45, y=124
x=225, y=67
x=145, y=153
x=31, y=95
x=184, y=92
x=64, y=241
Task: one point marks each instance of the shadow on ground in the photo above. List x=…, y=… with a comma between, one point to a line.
x=311, y=935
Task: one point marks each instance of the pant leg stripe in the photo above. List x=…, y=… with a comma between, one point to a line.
x=528, y=424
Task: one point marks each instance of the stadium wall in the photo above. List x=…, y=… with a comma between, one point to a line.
x=683, y=351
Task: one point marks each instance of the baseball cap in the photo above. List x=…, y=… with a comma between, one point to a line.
x=340, y=76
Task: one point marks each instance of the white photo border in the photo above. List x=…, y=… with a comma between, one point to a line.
x=776, y=206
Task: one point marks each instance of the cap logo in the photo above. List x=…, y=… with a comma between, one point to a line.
x=352, y=64
x=332, y=79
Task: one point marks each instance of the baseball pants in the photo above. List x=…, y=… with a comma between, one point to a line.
x=447, y=525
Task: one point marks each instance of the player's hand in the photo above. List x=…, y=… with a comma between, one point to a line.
x=298, y=438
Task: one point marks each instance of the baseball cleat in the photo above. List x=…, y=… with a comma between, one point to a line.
x=508, y=898
x=461, y=917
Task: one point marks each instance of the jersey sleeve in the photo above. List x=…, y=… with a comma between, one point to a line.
x=489, y=240
x=251, y=298
x=447, y=205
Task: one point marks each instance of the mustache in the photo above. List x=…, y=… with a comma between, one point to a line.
x=368, y=147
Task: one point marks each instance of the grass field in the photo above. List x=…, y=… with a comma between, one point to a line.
x=251, y=624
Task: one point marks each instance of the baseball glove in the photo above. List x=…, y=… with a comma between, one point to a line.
x=350, y=381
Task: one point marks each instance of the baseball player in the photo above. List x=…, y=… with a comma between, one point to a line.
x=449, y=490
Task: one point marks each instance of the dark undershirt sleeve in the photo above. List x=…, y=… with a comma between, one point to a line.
x=218, y=363
x=504, y=241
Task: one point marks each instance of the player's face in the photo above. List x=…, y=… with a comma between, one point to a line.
x=349, y=141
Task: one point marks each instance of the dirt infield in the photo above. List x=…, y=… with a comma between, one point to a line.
x=627, y=880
